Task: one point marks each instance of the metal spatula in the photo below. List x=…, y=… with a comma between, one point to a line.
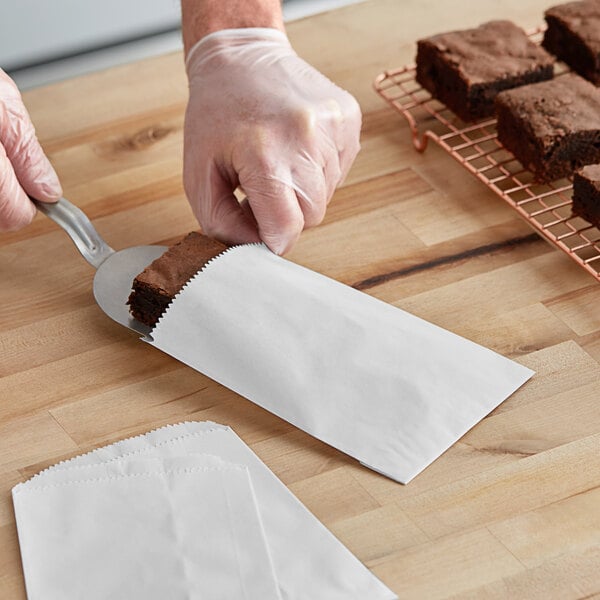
x=115, y=271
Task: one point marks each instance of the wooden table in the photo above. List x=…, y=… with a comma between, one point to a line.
x=510, y=511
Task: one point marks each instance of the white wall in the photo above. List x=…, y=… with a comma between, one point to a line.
x=39, y=31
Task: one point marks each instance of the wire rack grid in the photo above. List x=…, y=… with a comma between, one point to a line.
x=545, y=206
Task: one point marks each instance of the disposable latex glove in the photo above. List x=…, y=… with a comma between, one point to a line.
x=261, y=118
x=24, y=168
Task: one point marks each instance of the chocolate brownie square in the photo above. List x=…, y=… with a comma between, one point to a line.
x=586, y=194
x=553, y=127
x=573, y=35
x=466, y=69
x=156, y=286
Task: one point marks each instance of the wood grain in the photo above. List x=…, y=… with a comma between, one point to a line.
x=512, y=510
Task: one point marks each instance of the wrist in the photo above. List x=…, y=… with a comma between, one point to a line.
x=222, y=41
x=203, y=17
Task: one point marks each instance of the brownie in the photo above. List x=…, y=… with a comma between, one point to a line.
x=156, y=286
x=553, y=127
x=466, y=69
x=573, y=35
x=586, y=194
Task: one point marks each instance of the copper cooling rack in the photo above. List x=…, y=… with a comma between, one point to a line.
x=546, y=207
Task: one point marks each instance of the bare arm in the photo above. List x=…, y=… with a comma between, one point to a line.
x=201, y=17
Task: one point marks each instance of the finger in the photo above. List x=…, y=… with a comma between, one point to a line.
x=348, y=133
x=247, y=209
x=220, y=214
x=277, y=212
x=31, y=166
x=16, y=210
x=313, y=190
x=332, y=173
x=346, y=159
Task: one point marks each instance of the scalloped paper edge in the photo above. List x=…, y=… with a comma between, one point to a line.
x=118, y=477
x=65, y=464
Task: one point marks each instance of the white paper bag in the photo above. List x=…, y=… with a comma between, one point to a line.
x=379, y=384
x=182, y=527
x=309, y=562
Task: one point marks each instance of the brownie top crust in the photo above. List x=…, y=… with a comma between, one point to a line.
x=493, y=50
x=551, y=109
x=180, y=263
x=582, y=18
x=590, y=172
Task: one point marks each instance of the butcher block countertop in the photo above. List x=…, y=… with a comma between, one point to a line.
x=512, y=510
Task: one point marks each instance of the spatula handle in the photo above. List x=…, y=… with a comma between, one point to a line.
x=79, y=228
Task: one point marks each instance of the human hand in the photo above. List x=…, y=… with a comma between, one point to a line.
x=24, y=168
x=261, y=118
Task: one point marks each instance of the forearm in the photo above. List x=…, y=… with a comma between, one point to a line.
x=201, y=17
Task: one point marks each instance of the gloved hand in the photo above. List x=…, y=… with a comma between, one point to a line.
x=24, y=168
x=261, y=118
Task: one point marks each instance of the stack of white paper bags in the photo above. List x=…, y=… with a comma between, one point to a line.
x=186, y=511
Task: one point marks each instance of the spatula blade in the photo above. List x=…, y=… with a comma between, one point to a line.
x=113, y=279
